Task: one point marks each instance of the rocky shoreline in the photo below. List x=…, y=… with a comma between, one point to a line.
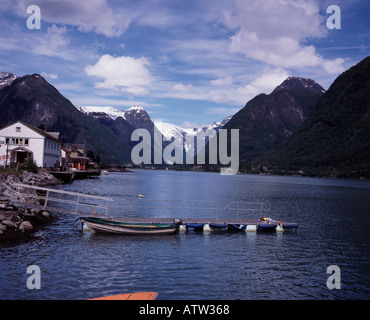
x=20, y=223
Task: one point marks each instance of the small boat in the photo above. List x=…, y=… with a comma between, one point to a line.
x=218, y=226
x=131, y=296
x=237, y=227
x=268, y=227
x=285, y=225
x=290, y=225
x=99, y=225
x=195, y=226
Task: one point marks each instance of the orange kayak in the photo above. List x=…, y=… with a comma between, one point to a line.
x=131, y=296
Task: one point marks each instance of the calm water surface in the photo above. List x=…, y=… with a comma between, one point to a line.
x=333, y=217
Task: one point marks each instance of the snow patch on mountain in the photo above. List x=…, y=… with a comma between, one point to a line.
x=184, y=137
x=6, y=79
x=138, y=117
x=110, y=111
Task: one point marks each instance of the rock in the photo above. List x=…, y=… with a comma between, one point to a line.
x=42, y=178
x=9, y=223
x=43, y=217
x=10, y=208
x=25, y=225
x=19, y=223
x=46, y=214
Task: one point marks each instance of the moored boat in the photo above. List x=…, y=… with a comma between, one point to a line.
x=290, y=226
x=130, y=296
x=268, y=227
x=218, y=226
x=99, y=225
x=195, y=226
x=237, y=227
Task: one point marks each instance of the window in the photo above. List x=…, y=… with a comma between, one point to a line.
x=17, y=141
x=17, y=129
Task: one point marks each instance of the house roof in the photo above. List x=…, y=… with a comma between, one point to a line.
x=45, y=134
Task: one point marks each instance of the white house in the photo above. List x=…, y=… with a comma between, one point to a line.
x=19, y=141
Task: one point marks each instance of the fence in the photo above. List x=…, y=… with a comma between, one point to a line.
x=86, y=204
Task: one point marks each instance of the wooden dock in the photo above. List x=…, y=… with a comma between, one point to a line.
x=185, y=220
x=70, y=176
x=86, y=205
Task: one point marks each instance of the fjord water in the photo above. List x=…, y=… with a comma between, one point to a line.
x=333, y=218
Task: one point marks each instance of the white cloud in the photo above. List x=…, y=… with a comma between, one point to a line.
x=126, y=73
x=49, y=75
x=53, y=44
x=222, y=81
x=275, y=32
x=87, y=15
x=265, y=83
x=182, y=87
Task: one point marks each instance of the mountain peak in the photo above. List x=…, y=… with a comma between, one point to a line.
x=335, y=138
x=294, y=83
x=139, y=118
x=110, y=111
x=136, y=107
x=6, y=79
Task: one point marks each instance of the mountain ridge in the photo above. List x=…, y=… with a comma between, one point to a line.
x=138, y=117
x=268, y=119
x=32, y=99
x=335, y=138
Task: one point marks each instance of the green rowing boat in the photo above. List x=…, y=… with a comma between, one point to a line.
x=99, y=225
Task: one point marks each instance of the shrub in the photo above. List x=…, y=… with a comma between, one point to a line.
x=30, y=165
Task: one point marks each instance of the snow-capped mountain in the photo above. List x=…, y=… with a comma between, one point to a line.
x=6, y=79
x=183, y=138
x=136, y=115
x=294, y=83
x=110, y=111
x=139, y=118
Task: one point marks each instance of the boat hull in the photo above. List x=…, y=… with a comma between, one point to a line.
x=194, y=226
x=131, y=296
x=218, y=226
x=266, y=227
x=237, y=227
x=115, y=227
x=288, y=226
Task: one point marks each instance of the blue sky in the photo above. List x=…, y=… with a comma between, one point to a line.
x=186, y=62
